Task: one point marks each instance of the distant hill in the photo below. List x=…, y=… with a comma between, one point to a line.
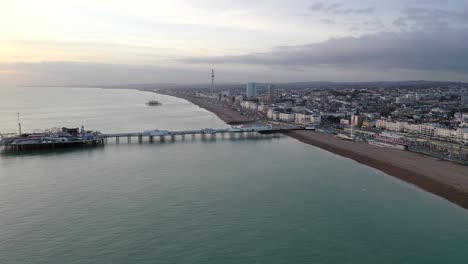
x=292, y=85
x=298, y=85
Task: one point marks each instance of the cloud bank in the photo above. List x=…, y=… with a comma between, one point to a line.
x=421, y=50
x=339, y=9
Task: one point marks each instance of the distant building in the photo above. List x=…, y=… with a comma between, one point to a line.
x=249, y=105
x=445, y=133
x=427, y=130
x=395, y=126
x=462, y=134
x=273, y=114
x=316, y=119
x=251, y=90
x=412, y=128
x=368, y=124
x=308, y=119
x=464, y=98
x=356, y=120
x=381, y=123
x=286, y=117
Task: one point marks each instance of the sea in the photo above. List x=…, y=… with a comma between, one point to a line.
x=249, y=199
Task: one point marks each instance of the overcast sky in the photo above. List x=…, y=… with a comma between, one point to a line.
x=91, y=42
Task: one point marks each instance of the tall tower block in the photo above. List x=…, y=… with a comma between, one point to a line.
x=212, y=84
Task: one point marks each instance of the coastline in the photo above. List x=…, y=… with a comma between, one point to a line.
x=229, y=116
x=427, y=173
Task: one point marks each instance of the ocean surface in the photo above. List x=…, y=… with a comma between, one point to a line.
x=222, y=200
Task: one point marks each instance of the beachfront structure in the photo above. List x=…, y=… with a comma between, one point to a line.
x=445, y=133
x=412, y=128
x=251, y=90
x=286, y=117
x=262, y=108
x=315, y=119
x=460, y=117
x=396, y=126
x=381, y=123
x=462, y=134
x=308, y=119
x=450, y=134
x=334, y=114
x=464, y=99
x=273, y=114
x=428, y=130
x=356, y=120
x=368, y=124
x=249, y=105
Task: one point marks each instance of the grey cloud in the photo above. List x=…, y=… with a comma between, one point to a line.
x=339, y=8
x=430, y=17
x=430, y=51
x=374, y=24
x=399, y=22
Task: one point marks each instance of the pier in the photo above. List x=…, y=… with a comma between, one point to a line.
x=27, y=142
x=162, y=134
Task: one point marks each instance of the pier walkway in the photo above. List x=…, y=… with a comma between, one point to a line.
x=203, y=132
x=42, y=141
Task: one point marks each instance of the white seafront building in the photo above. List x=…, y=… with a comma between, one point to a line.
x=308, y=119
x=427, y=130
x=286, y=117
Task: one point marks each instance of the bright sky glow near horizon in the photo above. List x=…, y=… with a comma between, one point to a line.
x=122, y=42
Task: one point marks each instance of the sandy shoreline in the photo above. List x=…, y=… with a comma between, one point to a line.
x=443, y=178
x=227, y=115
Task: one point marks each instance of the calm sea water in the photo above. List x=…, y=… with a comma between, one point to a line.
x=263, y=200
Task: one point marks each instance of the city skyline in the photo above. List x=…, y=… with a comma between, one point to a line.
x=123, y=42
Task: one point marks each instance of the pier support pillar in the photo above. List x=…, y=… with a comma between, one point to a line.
x=129, y=139
x=172, y=137
x=140, y=139
x=183, y=137
x=117, y=140
x=162, y=138
x=151, y=139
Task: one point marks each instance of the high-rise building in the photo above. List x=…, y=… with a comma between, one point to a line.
x=270, y=96
x=251, y=90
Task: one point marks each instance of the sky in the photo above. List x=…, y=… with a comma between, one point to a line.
x=118, y=42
